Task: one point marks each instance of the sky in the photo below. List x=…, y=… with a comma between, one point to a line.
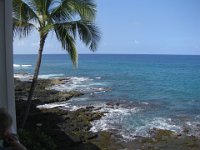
x=135, y=27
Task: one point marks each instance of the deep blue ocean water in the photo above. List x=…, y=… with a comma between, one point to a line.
x=164, y=88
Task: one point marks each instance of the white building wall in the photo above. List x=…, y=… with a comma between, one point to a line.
x=7, y=99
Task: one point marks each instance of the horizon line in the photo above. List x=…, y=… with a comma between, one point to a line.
x=112, y=54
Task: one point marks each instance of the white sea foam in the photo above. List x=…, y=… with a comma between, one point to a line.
x=114, y=116
x=53, y=105
x=49, y=76
x=26, y=65
x=28, y=77
x=193, y=128
x=145, y=103
x=112, y=119
x=23, y=77
x=79, y=79
x=158, y=123
x=23, y=65
x=16, y=65
x=143, y=130
x=98, y=78
x=78, y=99
x=64, y=105
x=82, y=84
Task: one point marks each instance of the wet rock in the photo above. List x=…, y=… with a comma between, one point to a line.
x=161, y=134
x=91, y=135
x=42, y=93
x=90, y=107
x=74, y=137
x=186, y=130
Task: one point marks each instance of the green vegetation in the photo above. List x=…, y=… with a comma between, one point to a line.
x=36, y=140
x=66, y=18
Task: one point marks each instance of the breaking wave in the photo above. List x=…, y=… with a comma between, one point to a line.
x=22, y=66
x=81, y=84
x=50, y=76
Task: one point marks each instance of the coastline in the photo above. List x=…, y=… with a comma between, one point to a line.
x=72, y=125
x=76, y=124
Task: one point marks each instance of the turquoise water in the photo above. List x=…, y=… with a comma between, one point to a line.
x=164, y=88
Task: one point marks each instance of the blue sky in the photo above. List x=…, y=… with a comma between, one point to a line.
x=136, y=27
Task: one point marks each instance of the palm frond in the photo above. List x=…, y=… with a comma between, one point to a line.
x=22, y=11
x=67, y=42
x=68, y=9
x=45, y=30
x=42, y=7
x=22, y=28
x=63, y=11
x=85, y=8
x=88, y=32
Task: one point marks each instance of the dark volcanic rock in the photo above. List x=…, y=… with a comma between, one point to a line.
x=42, y=93
x=70, y=129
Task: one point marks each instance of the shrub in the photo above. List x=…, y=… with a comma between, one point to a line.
x=36, y=140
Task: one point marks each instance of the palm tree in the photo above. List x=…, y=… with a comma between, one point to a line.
x=66, y=18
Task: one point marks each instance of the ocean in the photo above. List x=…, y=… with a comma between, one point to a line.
x=137, y=92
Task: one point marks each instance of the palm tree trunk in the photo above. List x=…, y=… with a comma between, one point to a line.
x=35, y=78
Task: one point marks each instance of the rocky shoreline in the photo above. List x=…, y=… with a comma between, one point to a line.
x=68, y=129
x=71, y=129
